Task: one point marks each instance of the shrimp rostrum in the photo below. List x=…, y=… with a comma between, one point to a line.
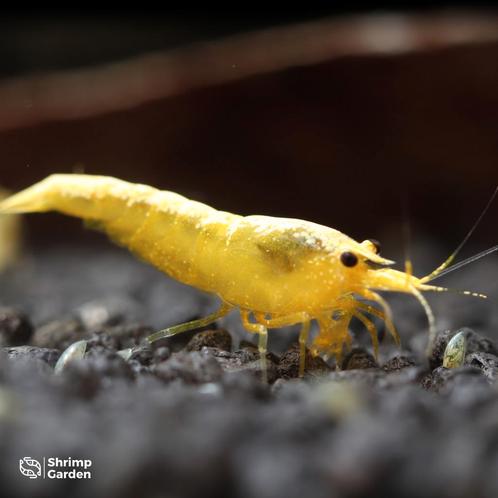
x=276, y=271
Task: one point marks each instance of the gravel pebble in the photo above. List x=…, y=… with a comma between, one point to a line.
x=15, y=327
x=191, y=367
x=288, y=365
x=49, y=356
x=359, y=359
x=217, y=338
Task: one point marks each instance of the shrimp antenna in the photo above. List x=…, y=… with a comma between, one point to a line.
x=430, y=318
x=436, y=288
x=439, y=271
x=463, y=263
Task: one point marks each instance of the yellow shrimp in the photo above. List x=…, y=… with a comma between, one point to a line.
x=277, y=271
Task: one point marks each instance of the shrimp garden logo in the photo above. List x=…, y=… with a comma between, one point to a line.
x=55, y=468
x=30, y=467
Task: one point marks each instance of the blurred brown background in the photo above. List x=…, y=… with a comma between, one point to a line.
x=338, y=118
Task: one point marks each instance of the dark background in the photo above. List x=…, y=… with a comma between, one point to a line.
x=378, y=111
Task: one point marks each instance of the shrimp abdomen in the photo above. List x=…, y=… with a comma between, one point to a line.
x=161, y=227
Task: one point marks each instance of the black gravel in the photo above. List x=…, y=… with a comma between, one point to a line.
x=190, y=417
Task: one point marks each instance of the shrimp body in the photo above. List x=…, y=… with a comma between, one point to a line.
x=283, y=271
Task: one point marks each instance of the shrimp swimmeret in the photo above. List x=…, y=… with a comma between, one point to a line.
x=277, y=271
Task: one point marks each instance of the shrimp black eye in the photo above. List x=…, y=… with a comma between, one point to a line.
x=376, y=244
x=349, y=259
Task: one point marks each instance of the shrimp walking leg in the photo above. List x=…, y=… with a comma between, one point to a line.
x=303, y=339
x=194, y=324
x=283, y=321
x=385, y=315
x=382, y=316
x=372, y=330
x=262, y=331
